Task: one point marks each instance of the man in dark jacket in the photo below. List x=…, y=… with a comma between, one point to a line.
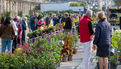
x=68, y=23
x=47, y=20
x=55, y=20
x=32, y=23
x=23, y=24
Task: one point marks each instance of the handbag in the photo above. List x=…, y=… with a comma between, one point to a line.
x=112, y=51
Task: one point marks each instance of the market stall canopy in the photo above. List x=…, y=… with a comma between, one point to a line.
x=113, y=16
x=115, y=9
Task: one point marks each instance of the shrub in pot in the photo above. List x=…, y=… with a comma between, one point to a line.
x=30, y=35
x=116, y=42
x=74, y=51
x=39, y=32
x=64, y=54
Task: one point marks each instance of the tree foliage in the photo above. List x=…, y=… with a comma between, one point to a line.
x=80, y=3
x=44, y=0
x=117, y=2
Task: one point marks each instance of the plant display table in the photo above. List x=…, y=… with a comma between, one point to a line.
x=41, y=51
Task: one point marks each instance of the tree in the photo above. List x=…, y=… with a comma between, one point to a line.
x=44, y=0
x=83, y=3
x=117, y=2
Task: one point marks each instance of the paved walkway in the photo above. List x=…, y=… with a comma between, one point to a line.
x=76, y=62
x=77, y=58
x=0, y=45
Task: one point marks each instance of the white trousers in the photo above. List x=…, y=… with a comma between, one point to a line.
x=87, y=55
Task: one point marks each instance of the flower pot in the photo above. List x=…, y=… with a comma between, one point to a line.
x=36, y=67
x=57, y=64
x=65, y=59
x=70, y=58
x=11, y=68
x=113, y=66
x=75, y=51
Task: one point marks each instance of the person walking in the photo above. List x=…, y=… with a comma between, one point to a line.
x=36, y=20
x=32, y=24
x=55, y=20
x=19, y=26
x=13, y=22
x=86, y=38
x=102, y=40
x=7, y=34
x=48, y=20
x=23, y=24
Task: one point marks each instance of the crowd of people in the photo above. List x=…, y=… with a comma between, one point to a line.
x=37, y=22
x=13, y=32
x=20, y=27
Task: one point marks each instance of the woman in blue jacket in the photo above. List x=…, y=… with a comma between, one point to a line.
x=102, y=40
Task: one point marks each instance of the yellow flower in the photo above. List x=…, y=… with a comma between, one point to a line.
x=50, y=25
x=41, y=28
x=63, y=23
x=75, y=20
x=61, y=55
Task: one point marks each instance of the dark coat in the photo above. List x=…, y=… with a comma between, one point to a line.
x=55, y=20
x=32, y=24
x=103, y=33
x=68, y=25
x=47, y=20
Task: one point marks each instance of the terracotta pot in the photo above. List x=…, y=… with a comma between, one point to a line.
x=75, y=51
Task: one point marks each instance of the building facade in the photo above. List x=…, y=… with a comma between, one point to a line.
x=62, y=1
x=15, y=6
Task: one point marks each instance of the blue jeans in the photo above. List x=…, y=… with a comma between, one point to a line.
x=7, y=43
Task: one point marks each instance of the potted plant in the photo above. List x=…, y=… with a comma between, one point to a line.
x=30, y=35
x=70, y=55
x=39, y=32
x=35, y=33
x=64, y=54
x=113, y=61
x=74, y=50
x=116, y=42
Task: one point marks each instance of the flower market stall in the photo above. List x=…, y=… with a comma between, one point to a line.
x=114, y=14
x=44, y=50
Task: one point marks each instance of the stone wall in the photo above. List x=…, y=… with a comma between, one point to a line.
x=14, y=6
